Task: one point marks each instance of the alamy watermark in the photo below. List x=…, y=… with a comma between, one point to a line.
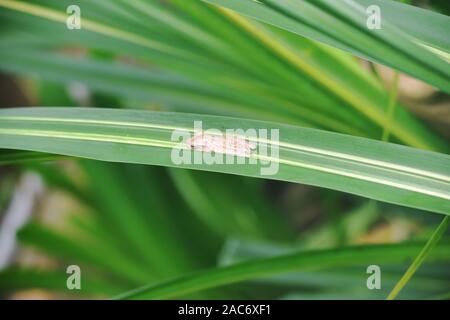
x=373, y=21
x=374, y=280
x=73, y=21
x=229, y=146
x=73, y=281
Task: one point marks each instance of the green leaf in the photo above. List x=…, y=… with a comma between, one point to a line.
x=301, y=261
x=431, y=243
x=266, y=73
x=427, y=26
x=377, y=170
x=342, y=24
x=346, y=281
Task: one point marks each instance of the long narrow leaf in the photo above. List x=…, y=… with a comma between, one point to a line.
x=378, y=170
x=308, y=260
x=342, y=24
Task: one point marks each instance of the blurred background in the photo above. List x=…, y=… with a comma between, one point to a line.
x=130, y=225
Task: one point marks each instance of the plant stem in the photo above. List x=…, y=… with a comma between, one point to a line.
x=436, y=236
x=391, y=106
x=442, y=226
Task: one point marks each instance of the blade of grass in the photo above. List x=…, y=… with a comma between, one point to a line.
x=373, y=169
x=427, y=26
x=307, y=260
x=94, y=26
x=343, y=25
x=161, y=88
x=424, y=253
x=430, y=280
